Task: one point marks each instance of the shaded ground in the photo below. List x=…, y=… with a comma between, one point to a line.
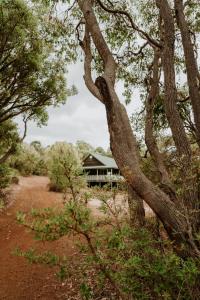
x=20, y=280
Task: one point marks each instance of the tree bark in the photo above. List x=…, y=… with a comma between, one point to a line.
x=136, y=208
x=193, y=77
x=170, y=97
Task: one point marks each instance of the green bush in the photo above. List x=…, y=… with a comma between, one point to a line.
x=144, y=271
x=132, y=261
x=65, y=169
x=28, y=161
x=5, y=176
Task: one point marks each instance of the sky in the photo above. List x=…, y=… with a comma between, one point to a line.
x=83, y=117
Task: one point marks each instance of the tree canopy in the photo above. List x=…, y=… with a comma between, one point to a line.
x=32, y=71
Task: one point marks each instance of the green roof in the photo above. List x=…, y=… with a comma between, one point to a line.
x=107, y=162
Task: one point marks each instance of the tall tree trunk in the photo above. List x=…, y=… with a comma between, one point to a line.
x=170, y=97
x=193, y=77
x=150, y=139
x=170, y=102
x=123, y=142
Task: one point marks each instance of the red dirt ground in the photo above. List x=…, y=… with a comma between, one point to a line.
x=20, y=280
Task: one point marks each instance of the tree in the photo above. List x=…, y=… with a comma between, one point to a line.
x=160, y=44
x=100, y=150
x=193, y=75
x=65, y=169
x=31, y=64
x=31, y=68
x=135, y=42
x=38, y=146
x=28, y=161
x=84, y=148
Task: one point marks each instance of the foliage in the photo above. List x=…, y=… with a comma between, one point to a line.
x=135, y=263
x=28, y=161
x=5, y=175
x=65, y=169
x=84, y=148
x=9, y=137
x=31, y=73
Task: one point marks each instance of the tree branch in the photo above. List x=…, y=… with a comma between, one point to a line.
x=99, y=41
x=85, y=45
x=143, y=34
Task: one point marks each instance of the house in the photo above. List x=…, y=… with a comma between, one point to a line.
x=101, y=170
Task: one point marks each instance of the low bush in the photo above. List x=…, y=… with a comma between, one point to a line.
x=28, y=161
x=5, y=176
x=132, y=262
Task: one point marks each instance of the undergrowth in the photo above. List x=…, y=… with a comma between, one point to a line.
x=134, y=263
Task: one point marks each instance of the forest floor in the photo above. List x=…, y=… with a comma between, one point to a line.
x=20, y=280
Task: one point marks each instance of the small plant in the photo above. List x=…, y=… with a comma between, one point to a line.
x=85, y=291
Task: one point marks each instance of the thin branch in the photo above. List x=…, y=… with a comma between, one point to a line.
x=86, y=46
x=69, y=9
x=144, y=35
x=25, y=121
x=99, y=40
x=130, y=52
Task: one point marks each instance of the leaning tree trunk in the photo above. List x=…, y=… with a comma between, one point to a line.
x=193, y=77
x=123, y=142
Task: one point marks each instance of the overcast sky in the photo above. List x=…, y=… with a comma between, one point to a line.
x=81, y=118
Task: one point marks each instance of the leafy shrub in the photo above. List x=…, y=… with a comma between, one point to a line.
x=5, y=180
x=65, y=169
x=5, y=176
x=132, y=261
x=9, y=138
x=28, y=161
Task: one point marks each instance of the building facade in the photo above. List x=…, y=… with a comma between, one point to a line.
x=100, y=170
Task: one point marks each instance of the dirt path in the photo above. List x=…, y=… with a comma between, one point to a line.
x=20, y=280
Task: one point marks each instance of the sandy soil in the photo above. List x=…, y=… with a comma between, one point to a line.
x=20, y=280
